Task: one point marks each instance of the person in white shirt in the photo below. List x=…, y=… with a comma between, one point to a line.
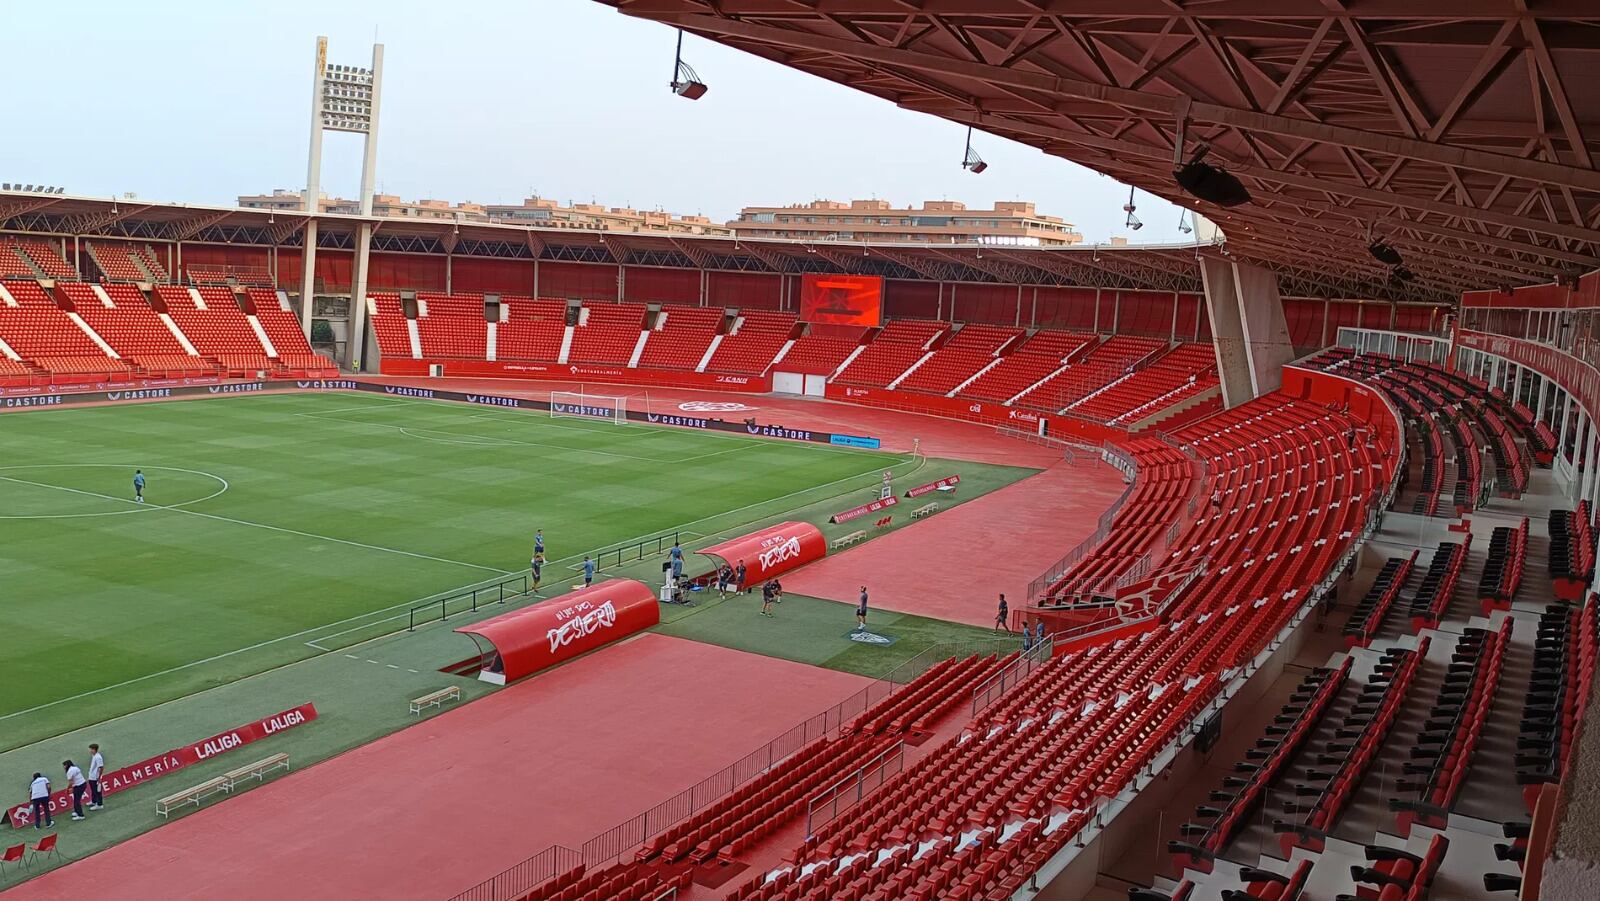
x=97, y=765
x=79, y=786
x=39, y=794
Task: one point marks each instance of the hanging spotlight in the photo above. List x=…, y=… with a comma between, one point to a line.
x=970, y=160
x=1384, y=253
x=1209, y=183
x=1132, y=220
x=1403, y=274
x=685, y=83
x=1183, y=222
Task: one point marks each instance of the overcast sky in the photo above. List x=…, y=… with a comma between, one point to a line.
x=485, y=100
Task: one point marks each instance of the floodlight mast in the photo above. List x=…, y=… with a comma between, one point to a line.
x=343, y=98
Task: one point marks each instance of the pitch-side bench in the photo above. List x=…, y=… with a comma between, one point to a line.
x=928, y=510
x=847, y=540
x=435, y=699
x=227, y=782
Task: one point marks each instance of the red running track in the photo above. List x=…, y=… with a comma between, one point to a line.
x=938, y=437
x=431, y=810
x=954, y=566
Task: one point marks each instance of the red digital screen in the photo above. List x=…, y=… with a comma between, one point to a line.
x=841, y=299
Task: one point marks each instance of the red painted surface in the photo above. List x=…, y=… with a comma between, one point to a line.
x=977, y=411
x=542, y=635
x=954, y=564
x=935, y=436
x=430, y=810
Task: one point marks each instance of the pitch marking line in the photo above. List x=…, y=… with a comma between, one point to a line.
x=260, y=525
x=139, y=508
x=499, y=442
x=404, y=604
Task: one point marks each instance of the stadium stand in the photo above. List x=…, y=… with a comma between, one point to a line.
x=1572, y=552
x=899, y=345
x=219, y=330
x=753, y=342
x=147, y=258
x=13, y=264
x=117, y=262
x=1397, y=875
x=608, y=334
x=1183, y=371
x=1039, y=357
x=820, y=351
x=1373, y=608
x=1117, y=356
x=134, y=330
x=531, y=329
x=1559, y=692
x=452, y=326
x=390, y=326
x=972, y=348
x=681, y=337
x=43, y=255
x=282, y=328
x=40, y=332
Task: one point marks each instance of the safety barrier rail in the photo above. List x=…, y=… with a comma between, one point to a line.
x=468, y=600
x=990, y=689
x=518, y=880
x=826, y=806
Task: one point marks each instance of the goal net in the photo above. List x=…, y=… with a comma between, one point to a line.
x=588, y=406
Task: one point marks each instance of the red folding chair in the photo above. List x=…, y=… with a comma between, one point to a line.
x=46, y=847
x=13, y=855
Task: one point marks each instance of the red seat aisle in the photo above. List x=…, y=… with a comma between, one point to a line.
x=901, y=343
x=219, y=331
x=116, y=262
x=609, y=333
x=1040, y=355
x=134, y=330
x=754, y=342
x=282, y=327
x=972, y=348
x=530, y=329
x=40, y=332
x=682, y=336
x=452, y=325
x=389, y=324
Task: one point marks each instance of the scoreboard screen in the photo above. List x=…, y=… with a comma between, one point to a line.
x=841, y=299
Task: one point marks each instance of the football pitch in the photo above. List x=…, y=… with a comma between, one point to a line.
x=282, y=526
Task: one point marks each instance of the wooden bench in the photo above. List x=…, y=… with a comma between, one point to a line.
x=192, y=795
x=847, y=540
x=257, y=771
x=435, y=698
x=929, y=510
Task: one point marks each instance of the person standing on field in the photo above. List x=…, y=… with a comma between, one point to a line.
x=39, y=797
x=738, y=580
x=588, y=571
x=97, y=766
x=677, y=560
x=537, y=568
x=861, y=611
x=79, y=786
x=138, y=486
x=769, y=593
x=1002, y=616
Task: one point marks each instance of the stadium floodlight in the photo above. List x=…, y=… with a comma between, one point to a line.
x=685, y=83
x=970, y=161
x=1209, y=183
x=1183, y=222
x=1132, y=220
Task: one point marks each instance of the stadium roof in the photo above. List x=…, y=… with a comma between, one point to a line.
x=1165, y=267
x=1461, y=132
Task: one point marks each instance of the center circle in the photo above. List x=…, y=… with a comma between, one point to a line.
x=20, y=478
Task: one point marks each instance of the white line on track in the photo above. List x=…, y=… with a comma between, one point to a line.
x=261, y=525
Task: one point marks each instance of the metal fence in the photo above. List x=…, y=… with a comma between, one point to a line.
x=468, y=600
x=826, y=806
x=523, y=877
x=634, y=552
x=990, y=689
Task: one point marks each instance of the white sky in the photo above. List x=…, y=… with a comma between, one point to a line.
x=484, y=100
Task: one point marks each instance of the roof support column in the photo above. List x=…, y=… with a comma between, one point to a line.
x=1248, y=327
x=358, y=299
x=308, y=275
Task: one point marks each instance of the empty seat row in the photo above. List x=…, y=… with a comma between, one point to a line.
x=1572, y=552
x=1502, y=570
x=1374, y=606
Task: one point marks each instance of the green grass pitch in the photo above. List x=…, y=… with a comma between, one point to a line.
x=275, y=520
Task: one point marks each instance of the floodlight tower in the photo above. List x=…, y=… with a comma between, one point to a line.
x=343, y=98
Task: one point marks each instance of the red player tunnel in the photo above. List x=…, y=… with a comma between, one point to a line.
x=523, y=642
x=771, y=551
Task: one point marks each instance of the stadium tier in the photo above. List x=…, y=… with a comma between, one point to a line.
x=818, y=354
x=901, y=344
x=118, y=262
x=531, y=329
x=681, y=337
x=608, y=333
x=971, y=349
x=753, y=342
x=452, y=326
